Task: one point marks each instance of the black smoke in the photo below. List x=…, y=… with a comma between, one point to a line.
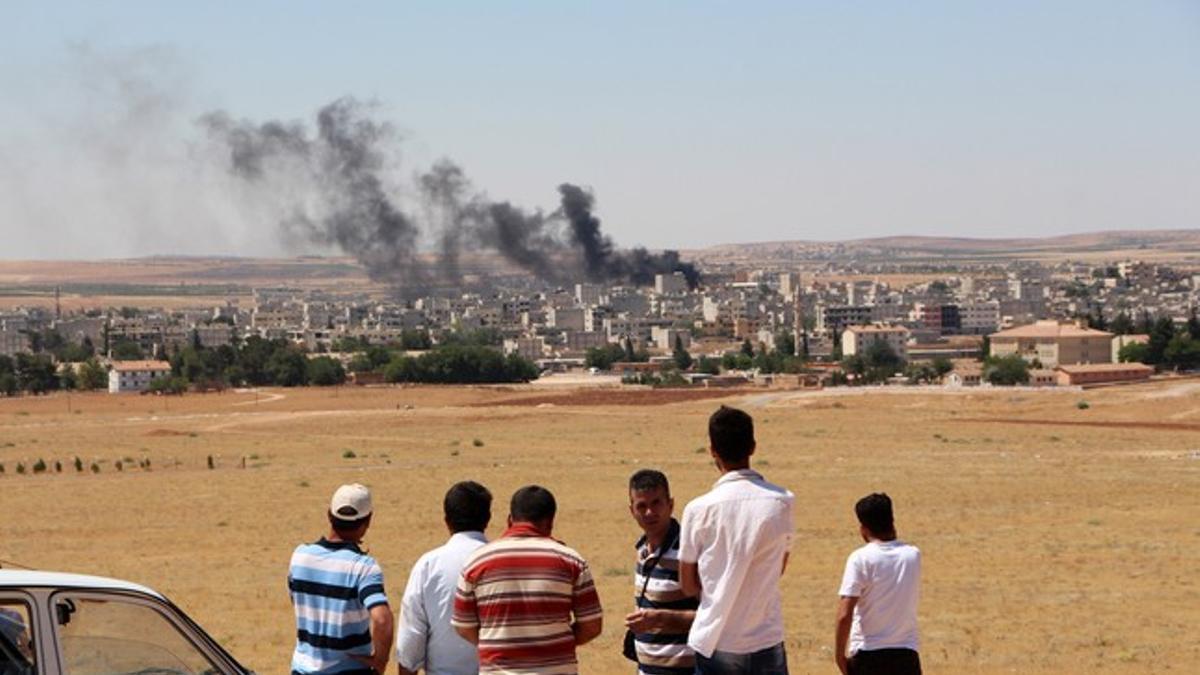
x=335, y=188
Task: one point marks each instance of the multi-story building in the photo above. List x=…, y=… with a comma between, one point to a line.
x=857, y=339
x=135, y=375
x=1053, y=344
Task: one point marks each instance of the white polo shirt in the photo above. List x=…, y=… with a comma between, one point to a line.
x=738, y=534
x=885, y=576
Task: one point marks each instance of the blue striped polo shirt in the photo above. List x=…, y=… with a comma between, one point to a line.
x=662, y=653
x=333, y=587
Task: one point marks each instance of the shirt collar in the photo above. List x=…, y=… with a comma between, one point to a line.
x=670, y=538
x=522, y=530
x=738, y=474
x=339, y=545
x=469, y=535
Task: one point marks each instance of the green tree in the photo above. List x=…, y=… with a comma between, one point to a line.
x=1182, y=352
x=630, y=355
x=168, y=384
x=602, y=358
x=1122, y=324
x=683, y=359
x=942, y=366
x=126, y=350
x=1161, y=334
x=1006, y=370
x=1133, y=352
x=288, y=367
x=35, y=373
x=68, y=379
x=747, y=347
x=1193, y=325
x=324, y=371
x=708, y=366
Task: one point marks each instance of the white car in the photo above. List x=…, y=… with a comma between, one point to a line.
x=71, y=624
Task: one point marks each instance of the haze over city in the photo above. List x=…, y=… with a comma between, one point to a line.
x=689, y=126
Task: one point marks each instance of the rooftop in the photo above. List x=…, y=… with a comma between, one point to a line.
x=1104, y=367
x=126, y=366
x=1050, y=329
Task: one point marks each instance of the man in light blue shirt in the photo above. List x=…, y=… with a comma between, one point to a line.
x=425, y=638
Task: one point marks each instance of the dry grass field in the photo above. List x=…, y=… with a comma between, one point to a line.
x=1056, y=539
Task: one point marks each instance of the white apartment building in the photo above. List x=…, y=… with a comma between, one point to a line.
x=856, y=339
x=135, y=375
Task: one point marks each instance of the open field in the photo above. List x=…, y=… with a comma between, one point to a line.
x=1050, y=546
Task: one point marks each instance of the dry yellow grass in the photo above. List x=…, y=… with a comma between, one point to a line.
x=1048, y=548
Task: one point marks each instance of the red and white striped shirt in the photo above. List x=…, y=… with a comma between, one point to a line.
x=522, y=592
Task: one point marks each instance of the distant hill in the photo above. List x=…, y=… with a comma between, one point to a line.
x=1181, y=241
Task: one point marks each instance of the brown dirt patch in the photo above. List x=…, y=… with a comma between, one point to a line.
x=632, y=397
x=166, y=432
x=1154, y=426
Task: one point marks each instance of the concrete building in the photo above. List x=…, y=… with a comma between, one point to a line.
x=567, y=318
x=532, y=348
x=135, y=375
x=1054, y=344
x=589, y=295
x=664, y=338
x=670, y=284
x=857, y=339
x=13, y=342
x=1103, y=373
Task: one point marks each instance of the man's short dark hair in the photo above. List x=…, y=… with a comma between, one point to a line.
x=875, y=513
x=468, y=507
x=731, y=433
x=646, y=480
x=532, y=504
x=344, y=527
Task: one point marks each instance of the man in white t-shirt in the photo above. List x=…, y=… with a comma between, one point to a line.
x=734, y=543
x=877, y=615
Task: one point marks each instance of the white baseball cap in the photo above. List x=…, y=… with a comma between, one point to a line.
x=351, y=502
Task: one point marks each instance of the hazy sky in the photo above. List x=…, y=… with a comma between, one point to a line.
x=693, y=123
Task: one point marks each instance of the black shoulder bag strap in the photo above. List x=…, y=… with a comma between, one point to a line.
x=628, y=648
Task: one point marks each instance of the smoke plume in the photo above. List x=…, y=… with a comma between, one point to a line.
x=336, y=188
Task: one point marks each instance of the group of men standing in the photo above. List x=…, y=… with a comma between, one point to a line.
x=707, y=598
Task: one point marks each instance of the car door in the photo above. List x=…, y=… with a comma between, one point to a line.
x=20, y=637
x=108, y=632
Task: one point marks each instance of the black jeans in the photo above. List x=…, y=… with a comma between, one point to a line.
x=885, y=662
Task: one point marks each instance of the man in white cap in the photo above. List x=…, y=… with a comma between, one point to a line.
x=343, y=622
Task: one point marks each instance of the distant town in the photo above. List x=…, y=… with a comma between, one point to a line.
x=779, y=324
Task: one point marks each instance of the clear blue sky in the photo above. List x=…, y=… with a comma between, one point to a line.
x=694, y=123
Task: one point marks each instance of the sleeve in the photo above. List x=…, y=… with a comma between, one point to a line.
x=585, y=601
x=690, y=541
x=466, y=610
x=370, y=586
x=413, y=632
x=854, y=578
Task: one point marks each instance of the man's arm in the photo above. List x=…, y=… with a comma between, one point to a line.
x=382, y=629
x=689, y=578
x=413, y=632
x=468, y=633
x=660, y=620
x=586, y=631
x=845, y=616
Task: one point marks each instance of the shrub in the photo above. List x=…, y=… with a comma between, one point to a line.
x=57, y=466
x=1083, y=405
x=211, y=463
x=39, y=466
x=118, y=465
x=20, y=468
x=348, y=454
x=95, y=468
x=478, y=442
x=78, y=465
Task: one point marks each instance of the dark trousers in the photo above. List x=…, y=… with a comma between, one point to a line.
x=769, y=661
x=885, y=662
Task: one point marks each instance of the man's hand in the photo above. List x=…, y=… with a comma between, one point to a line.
x=644, y=621
x=660, y=620
x=376, y=662
x=841, y=632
